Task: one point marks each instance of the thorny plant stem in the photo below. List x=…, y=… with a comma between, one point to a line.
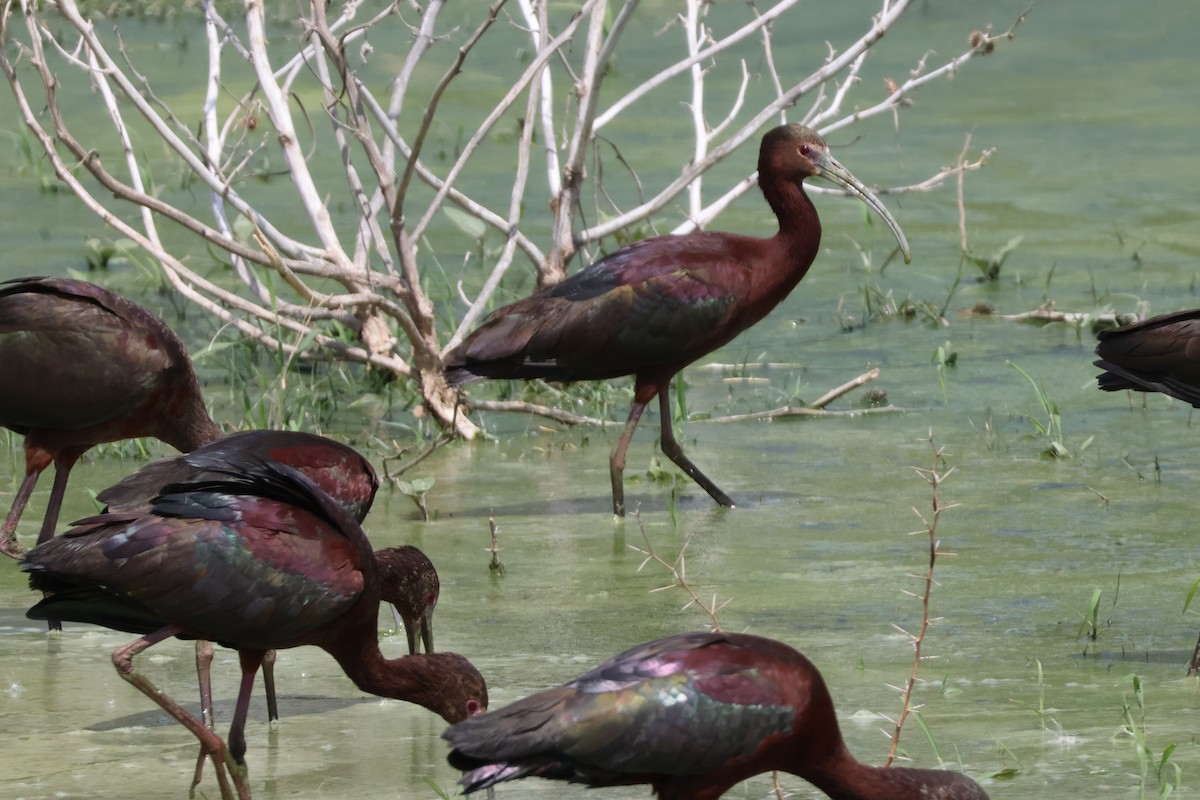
x=934, y=476
x=677, y=569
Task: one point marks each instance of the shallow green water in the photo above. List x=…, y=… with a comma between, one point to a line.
x=1093, y=113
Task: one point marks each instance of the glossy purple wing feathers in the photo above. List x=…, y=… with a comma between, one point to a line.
x=225, y=560
x=674, y=707
x=691, y=715
x=658, y=303
x=337, y=469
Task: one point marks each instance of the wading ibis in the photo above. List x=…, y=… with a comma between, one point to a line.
x=83, y=366
x=339, y=470
x=257, y=559
x=692, y=715
x=655, y=306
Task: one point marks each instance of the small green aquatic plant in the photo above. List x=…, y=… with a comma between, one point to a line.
x=1007, y=773
x=441, y=793
x=1168, y=775
x=880, y=304
x=990, y=266
x=944, y=358
x=1051, y=429
x=417, y=488
x=1089, y=624
x=103, y=253
x=33, y=163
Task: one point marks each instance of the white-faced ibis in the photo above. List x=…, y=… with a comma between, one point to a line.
x=257, y=559
x=339, y=470
x=83, y=366
x=655, y=306
x=691, y=715
x=1159, y=354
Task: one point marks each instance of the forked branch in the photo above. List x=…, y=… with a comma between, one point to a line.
x=342, y=255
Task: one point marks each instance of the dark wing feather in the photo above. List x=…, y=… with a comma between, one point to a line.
x=1160, y=354
x=255, y=476
x=336, y=468
x=95, y=606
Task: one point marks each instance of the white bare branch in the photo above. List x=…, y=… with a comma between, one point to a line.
x=365, y=284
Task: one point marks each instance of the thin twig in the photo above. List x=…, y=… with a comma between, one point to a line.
x=1046, y=314
x=677, y=569
x=424, y=453
x=803, y=411
x=538, y=410
x=935, y=477
x=495, y=566
x=962, y=208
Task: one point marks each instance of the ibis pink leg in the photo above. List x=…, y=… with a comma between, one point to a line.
x=123, y=661
x=204, y=658
x=62, y=472
x=8, y=533
x=251, y=660
x=616, y=462
x=268, y=668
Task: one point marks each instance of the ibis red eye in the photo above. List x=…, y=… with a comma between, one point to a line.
x=806, y=151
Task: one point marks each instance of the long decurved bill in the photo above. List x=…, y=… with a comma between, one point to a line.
x=831, y=170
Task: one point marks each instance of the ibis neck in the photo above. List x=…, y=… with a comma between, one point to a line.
x=849, y=779
x=799, y=227
x=411, y=678
x=188, y=424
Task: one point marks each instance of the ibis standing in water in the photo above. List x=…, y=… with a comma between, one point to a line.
x=257, y=559
x=692, y=715
x=655, y=306
x=408, y=580
x=83, y=366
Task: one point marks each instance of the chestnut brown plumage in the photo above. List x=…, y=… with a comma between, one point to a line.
x=692, y=715
x=412, y=588
x=655, y=306
x=1159, y=354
